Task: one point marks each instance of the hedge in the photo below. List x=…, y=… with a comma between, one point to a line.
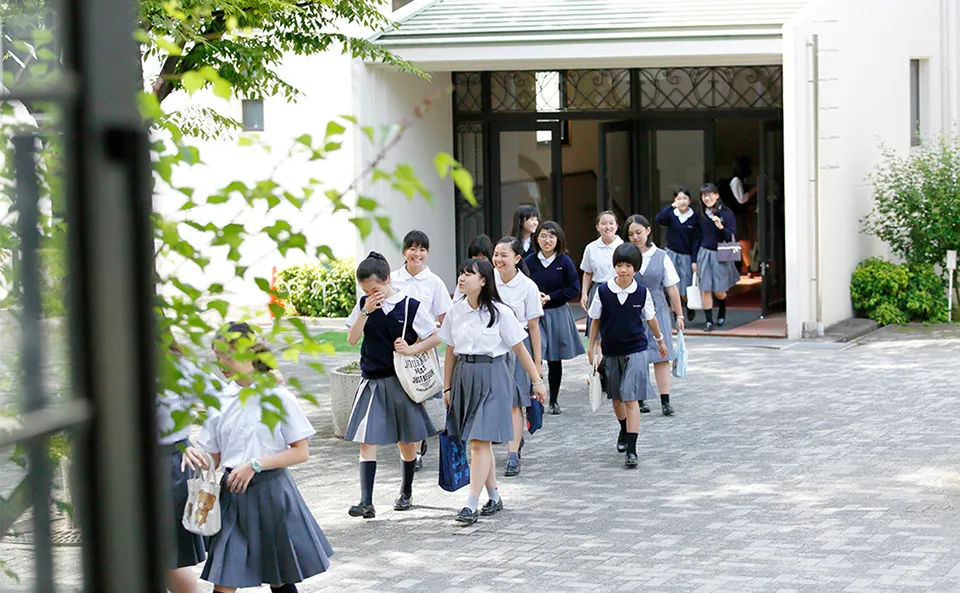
x=890, y=293
x=327, y=289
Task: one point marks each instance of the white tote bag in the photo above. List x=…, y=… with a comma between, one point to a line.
x=694, y=299
x=201, y=515
x=596, y=391
x=419, y=375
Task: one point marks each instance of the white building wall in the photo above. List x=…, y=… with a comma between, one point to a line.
x=865, y=52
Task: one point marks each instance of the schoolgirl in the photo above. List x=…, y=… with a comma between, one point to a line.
x=479, y=331
x=481, y=247
x=526, y=221
x=382, y=413
x=416, y=280
x=683, y=234
x=556, y=276
x=659, y=277
x=621, y=310
x=521, y=294
x=268, y=535
x=717, y=224
x=597, y=264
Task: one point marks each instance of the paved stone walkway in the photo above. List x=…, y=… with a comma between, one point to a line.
x=805, y=468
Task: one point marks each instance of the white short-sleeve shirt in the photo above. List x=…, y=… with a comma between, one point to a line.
x=598, y=259
x=522, y=295
x=237, y=434
x=596, y=307
x=186, y=394
x=426, y=287
x=423, y=322
x=736, y=186
x=670, y=275
x=465, y=330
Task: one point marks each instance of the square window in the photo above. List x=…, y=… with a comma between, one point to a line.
x=253, y=115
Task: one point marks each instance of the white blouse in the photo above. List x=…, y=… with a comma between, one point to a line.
x=683, y=216
x=670, y=275
x=186, y=394
x=522, y=295
x=423, y=322
x=598, y=259
x=465, y=330
x=426, y=287
x=236, y=432
x=736, y=186
x=596, y=307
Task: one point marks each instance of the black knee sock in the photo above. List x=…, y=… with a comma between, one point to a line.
x=555, y=374
x=408, y=470
x=284, y=589
x=709, y=314
x=721, y=307
x=623, y=430
x=664, y=398
x=368, y=473
x=632, y=442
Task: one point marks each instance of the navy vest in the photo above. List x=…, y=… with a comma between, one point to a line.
x=622, y=326
x=379, y=334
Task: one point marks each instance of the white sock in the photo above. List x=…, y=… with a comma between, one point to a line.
x=473, y=502
x=493, y=493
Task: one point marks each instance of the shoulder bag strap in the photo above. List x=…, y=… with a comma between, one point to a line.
x=406, y=315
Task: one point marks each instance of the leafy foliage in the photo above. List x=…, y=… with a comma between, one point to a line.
x=890, y=293
x=326, y=289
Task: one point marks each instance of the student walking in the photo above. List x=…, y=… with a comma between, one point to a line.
x=556, y=276
x=597, y=264
x=268, y=535
x=620, y=312
x=526, y=221
x=683, y=234
x=659, y=277
x=717, y=224
x=415, y=280
x=521, y=294
x=382, y=413
x=479, y=331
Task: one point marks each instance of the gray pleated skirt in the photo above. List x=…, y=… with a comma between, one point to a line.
x=715, y=276
x=665, y=321
x=627, y=377
x=480, y=401
x=558, y=332
x=684, y=265
x=268, y=535
x=383, y=414
x=189, y=550
x=522, y=382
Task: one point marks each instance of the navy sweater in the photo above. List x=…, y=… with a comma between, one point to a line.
x=559, y=279
x=379, y=334
x=622, y=326
x=712, y=235
x=682, y=237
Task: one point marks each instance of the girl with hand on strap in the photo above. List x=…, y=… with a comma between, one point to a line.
x=717, y=224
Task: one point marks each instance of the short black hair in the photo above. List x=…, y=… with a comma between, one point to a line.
x=481, y=245
x=628, y=253
x=708, y=188
x=554, y=229
x=415, y=238
x=642, y=221
x=374, y=266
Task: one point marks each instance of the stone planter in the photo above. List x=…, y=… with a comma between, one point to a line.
x=343, y=388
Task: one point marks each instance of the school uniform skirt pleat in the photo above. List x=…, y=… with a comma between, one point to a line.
x=558, y=331
x=665, y=321
x=627, y=377
x=383, y=414
x=480, y=401
x=268, y=535
x=714, y=275
x=190, y=548
x=521, y=380
x=684, y=265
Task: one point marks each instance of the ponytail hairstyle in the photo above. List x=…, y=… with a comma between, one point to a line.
x=374, y=266
x=517, y=248
x=481, y=246
x=642, y=221
x=489, y=297
x=520, y=216
x=239, y=333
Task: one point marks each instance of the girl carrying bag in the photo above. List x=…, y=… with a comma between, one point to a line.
x=419, y=374
x=201, y=515
x=694, y=299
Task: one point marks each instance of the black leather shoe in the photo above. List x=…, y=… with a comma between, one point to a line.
x=363, y=510
x=418, y=465
x=491, y=508
x=467, y=517
x=667, y=409
x=644, y=408
x=691, y=314
x=520, y=448
x=403, y=502
x=721, y=320
x=555, y=409
x=631, y=461
x=513, y=468
x=708, y=327
x=622, y=443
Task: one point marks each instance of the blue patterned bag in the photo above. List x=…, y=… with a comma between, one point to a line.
x=454, y=470
x=534, y=415
x=680, y=365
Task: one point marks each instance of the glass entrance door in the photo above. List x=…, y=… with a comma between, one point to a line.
x=771, y=218
x=617, y=172
x=681, y=155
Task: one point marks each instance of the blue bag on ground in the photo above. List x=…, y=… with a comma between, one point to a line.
x=454, y=470
x=680, y=365
x=534, y=415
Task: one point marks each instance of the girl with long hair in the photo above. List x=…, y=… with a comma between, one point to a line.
x=717, y=225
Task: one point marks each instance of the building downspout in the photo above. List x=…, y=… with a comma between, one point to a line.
x=818, y=257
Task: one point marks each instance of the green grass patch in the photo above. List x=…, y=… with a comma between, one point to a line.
x=339, y=341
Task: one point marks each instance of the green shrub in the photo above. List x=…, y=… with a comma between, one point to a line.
x=327, y=289
x=890, y=293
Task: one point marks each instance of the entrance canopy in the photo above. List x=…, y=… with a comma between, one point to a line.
x=517, y=34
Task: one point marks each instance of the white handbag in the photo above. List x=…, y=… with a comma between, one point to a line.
x=419, y=374
x=694, y=299
x=201, y=515
x=596, y=391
